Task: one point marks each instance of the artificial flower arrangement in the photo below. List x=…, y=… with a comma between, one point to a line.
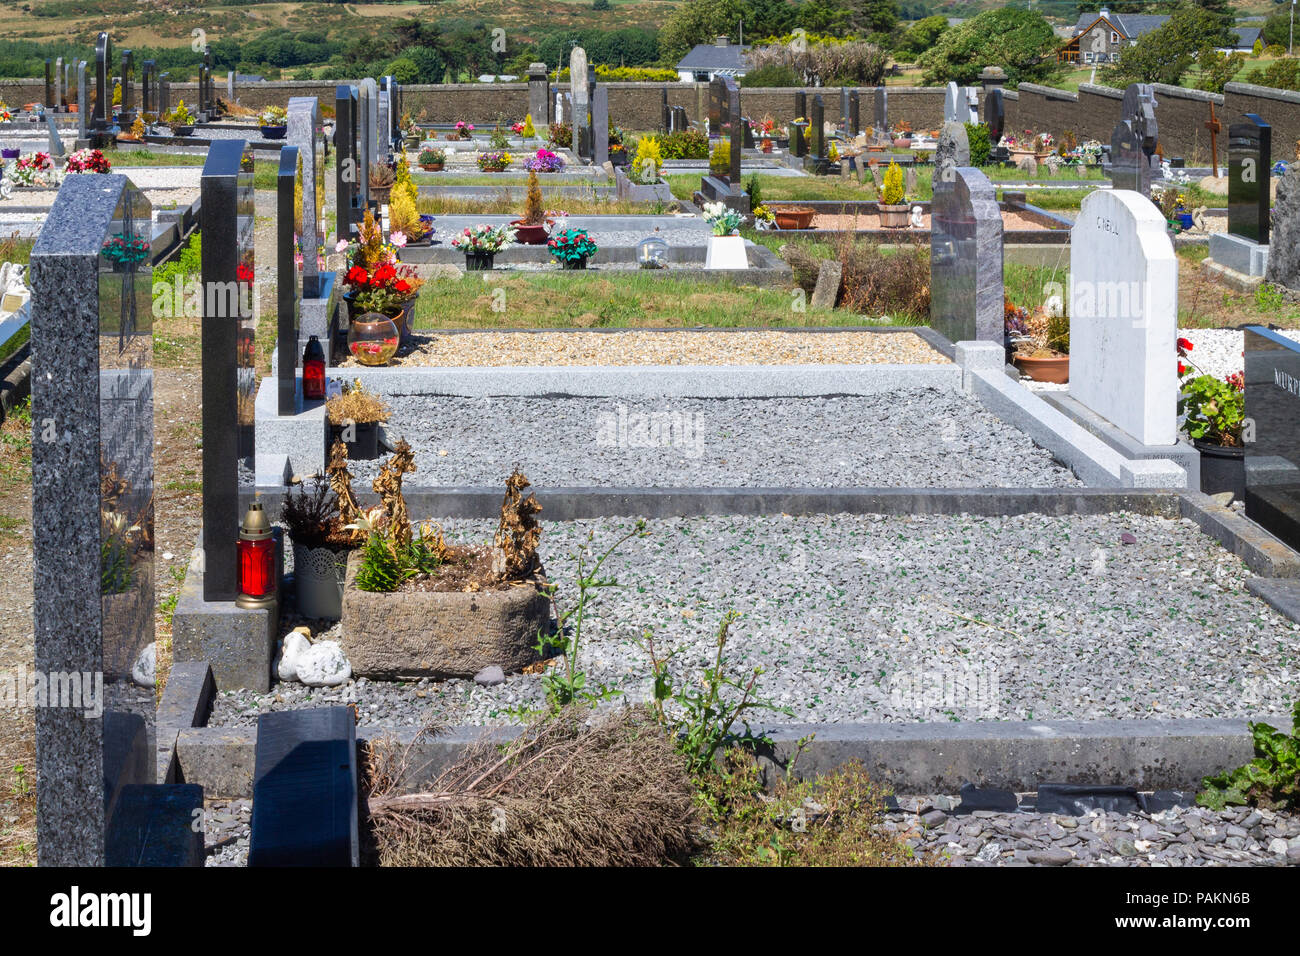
x=766, y=127
x=724, y=220
x=764, y=218
x=494, y=162
x=274, y=116
x=88, y=161
x=1214, y=410
x=483, y=239
x=544, y=162
x=34, y=170
x=378, y=281
x=572, y=245
x=5, y=115
x=125, y=249
x=517, y=129
x=463, y=130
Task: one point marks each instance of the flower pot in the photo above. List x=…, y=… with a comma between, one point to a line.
x=182, y=130
x=765, y=145
x=894, y=215
x=726, y=252
x=1053, y=368
x=1222, y=469
x=795, y=218
x=373, y=338
x=531, y=234
x=579, y=263
x=364, y=445
x=432, y=167
x=1185, y=220
x=619, y=158
x=273, y=132
x=318, y=575
x=380, y=194
x=903, y=142
x=9, y=153
x=479, y=261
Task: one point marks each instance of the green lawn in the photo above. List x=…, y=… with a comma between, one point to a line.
x=145, y=157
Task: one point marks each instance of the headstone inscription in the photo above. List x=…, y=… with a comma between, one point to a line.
x=1123, y=312
x=1273, y=458
x=346, y=161
x=966, y=293
x=227, y=270
x=290, y=191
x=92, y=513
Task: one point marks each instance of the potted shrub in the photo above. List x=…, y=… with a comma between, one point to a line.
x=432, y=160
x=1214, y=411
x=135, y=134
x=382, y=177
x=411, y=132
x=893, y=208
x=572, y=248
x=376, y=281
x=534, y=228
x=560, y=135
x=354, y=416
x=414, y=606
x=481, y=243
x=1042, y=342
x=726, y=249
x=180, y=120
x=903, y=135
x=544, y=161
x=321, y=543
x=403, y=215
x=273, y=120
x=493, y=162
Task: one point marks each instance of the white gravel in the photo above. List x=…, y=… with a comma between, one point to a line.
x=899, y=618
x=906, y=438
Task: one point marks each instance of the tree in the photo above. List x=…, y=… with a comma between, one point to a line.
x=824, y=16
x=1020, y=42
x=1277, y=28
x=698, y=21
x=873, y=16
x=1217, y=69
x=1165, y=54
x=922, y=35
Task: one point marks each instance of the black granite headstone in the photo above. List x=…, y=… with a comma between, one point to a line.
x=346, y=167
x=92, y=510
x=164, y=93
x=1250, y=165
x=305, y=789
x=818, y=127
x=288, y=193
x=127, y=111
x=717, y=106
x=148, y=96
x=1273, y=408
x=49, y=84
x=855, y=113
x=103, y=85
x=994, y=114
x=229, y=354
x=736, y=133
x=665, y=115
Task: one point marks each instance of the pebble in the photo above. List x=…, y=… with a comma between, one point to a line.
x=490, y=676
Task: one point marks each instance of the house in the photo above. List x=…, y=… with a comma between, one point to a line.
x=707, y=60
x=1099, y=37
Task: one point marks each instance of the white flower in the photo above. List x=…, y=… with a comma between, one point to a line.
x=398, y=239
x=341, y=246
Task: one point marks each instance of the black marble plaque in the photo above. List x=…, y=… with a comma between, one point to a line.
x=229, y=357
x=1250, y=163
x=1273, y=410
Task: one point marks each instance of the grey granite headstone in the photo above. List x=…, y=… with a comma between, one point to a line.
x=83, y=100
x=827, y=290
x=539, y=94
x=1138, y=109
x=1284, y=236
x=383, y=127
x=681, y=122
x=1272, y=460
x=288, y=301
x=952, y=150
x=58, y=84
x=103, y=86
x=952, y=103
x=347, y=164
x=600, y=124
x=1250, y=164
x=966, y=295
x=880, y=116
x=367, y=117
x=305, y=131
x=164, y=93
x=229, y=354
x=128, y=90
x=92, y=511
x=231, y=96
x=57, y=151
x=1128, y=165
x=578, y=95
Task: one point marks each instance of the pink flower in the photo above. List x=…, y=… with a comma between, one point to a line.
x=398, y=239
x=341, y=246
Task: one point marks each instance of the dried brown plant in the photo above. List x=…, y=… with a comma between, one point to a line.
x=341, y=484
x=518, y=532
x=388, y=485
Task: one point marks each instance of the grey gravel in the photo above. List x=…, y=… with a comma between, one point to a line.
x=869, y=618
x=227, y=827
x=909, y=438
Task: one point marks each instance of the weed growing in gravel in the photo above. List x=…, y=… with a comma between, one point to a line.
x=1271, y=780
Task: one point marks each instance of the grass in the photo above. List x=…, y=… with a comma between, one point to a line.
x=507, y=203
x=145, y=157
x=540, y=300
x=16, y=446
x=792, y=189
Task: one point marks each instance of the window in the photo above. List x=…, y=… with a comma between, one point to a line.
x=1114, y=37
x=1087, y=58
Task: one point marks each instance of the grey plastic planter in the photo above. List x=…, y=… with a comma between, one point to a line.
x=319, y=574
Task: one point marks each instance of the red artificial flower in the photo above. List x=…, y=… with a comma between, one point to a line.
x=384, y=274
x=401, y=285
x=1182, y=369
x=358, y=276
x=1184, y=345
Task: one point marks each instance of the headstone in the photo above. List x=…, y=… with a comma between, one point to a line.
x=578, y=91
x=680, y=121
x=289, y=189
x=203, y=109
x=855, y=113
x=880, y=120
x=972, y=114
x=995, y=115
x=717, y=107
x=1138, y=109
x=92, y=512
x=665, y=115
x=1129, y=168
x=1250, y=163
x=736, y=135
x=230, y=87
x=1273, y=406
x=966, y=295
x=103, y=85
x=228, y=354
x=747, y=132
x=128, y=90
x=844, y=110
x=818, y=127
x=801, y=104
x=164, y=93
x=49, y=83
x=1124, y=315
x=1284, y=235
x=827, y=290
x=148, y=96
x=383, y=126
x=952, y=103
x=57, y=152
x=952, y=150
x=305, y=131
x=367, y=118
x=83, y=101
x=600, y=124
x=347, y=162
x=539, y=94
x=59, y=78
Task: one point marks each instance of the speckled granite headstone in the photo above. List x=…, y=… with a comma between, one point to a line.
x=305, y=132
x=952, y=150
x=966, y=299
x=347, y=164
x=383, y=137
x=83, y=99
x=92, y=508
x=288, y=300
x=600, y=124
x=368, y=140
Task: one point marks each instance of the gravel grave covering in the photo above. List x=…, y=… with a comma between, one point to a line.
x=635, y=347
x=871, y=618
x=926, y=437
x=1181, y=836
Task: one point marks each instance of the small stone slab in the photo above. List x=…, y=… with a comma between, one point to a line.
x=305, y=789
x=827, y=290
x=154, y=826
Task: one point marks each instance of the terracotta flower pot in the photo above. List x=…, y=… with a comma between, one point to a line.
x=431, y=167
x=531, y=234
x=1054, y=368
x=794, y=218
x=903, y=142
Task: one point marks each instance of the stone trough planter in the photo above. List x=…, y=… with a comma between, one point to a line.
x=439, y=634
x=635, y=192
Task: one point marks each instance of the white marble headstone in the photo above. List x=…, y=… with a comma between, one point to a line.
x=1124, y=315
x=952, y=104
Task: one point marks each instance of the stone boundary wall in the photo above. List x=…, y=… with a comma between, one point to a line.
x=1091, y=113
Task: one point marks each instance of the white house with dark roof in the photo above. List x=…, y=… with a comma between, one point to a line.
x=707, y=60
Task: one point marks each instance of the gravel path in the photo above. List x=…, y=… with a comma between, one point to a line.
x=907, y=438
x=860, y=618
x=1180, y=836
x=669, y=348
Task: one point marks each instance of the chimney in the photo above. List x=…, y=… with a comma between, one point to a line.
x=1104, y=13
x=722, y=40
